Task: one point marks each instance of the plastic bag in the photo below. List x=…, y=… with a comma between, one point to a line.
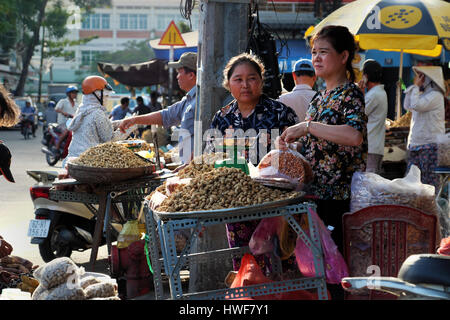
x=251, y=274
x=57, y=272
x=369, y=189
x=286, y=164
x=173, y=183
x=443, y=145
x=334, y=264
x=129, y=234
x=156, y=198
x=261, y=241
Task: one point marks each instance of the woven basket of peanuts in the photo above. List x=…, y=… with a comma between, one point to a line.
x=108, y=162
x=285, y=169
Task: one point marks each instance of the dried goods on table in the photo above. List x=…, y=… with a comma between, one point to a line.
x=443, y=146
x=403, y=121
x=110, y=155
x=220, y=189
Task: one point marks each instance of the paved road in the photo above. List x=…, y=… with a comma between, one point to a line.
x=16, y=207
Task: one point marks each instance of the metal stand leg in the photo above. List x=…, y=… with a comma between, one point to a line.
x=98, y=233
x=154, y=255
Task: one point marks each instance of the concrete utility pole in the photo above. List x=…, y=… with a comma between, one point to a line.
x=223, y=33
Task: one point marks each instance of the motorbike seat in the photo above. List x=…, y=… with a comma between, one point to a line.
x=426, y=268
x=55, y=127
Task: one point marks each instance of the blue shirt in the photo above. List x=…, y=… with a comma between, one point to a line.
x=182, y=113
x=29, y=109
x=118, y=113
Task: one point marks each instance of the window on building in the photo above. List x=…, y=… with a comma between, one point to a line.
x=124, y=21
x=96, y=21
x=163, y=21
x=89, y=56
x=133, y=21
x=143, y=22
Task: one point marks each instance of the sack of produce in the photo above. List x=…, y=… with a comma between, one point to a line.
x=286, y=164
x=103, y=289
x=56, y=272
x=369, y=189
x=443, y=145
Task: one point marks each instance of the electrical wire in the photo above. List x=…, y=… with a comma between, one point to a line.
x=186, y=7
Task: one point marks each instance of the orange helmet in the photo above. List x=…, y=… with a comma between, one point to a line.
x=93, y=83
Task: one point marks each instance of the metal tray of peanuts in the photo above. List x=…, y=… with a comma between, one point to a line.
x=228, y=211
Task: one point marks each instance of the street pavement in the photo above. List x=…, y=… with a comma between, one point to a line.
x=16, y=207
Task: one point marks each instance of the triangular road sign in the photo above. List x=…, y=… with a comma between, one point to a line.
x=172, y=36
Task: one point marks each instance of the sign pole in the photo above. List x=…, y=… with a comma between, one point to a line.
x=171, y=54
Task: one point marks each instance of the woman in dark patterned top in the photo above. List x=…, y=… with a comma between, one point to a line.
x=333, y=136
x=251, y=113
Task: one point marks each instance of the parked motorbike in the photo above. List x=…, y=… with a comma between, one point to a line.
x=60, y=227
x=421, y=276
x=52, y=134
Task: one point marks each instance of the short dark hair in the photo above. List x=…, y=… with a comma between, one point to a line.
x=125, y=100
x=154, y=94
x=187, y=70
x=304, y=73
x=140, y=99
x=373, y=70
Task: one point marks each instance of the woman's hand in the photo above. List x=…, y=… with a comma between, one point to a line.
x=294, y=132
x=126, y=123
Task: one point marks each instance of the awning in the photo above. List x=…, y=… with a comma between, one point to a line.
x=153, y=72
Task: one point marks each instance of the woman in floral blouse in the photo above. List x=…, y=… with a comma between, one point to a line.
x=334, y=134
x=251, y=112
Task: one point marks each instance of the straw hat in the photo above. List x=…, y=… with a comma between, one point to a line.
x=434, y=73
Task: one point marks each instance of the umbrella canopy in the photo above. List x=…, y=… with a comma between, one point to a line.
x=393, y=24
x=153, y=72
x=413, y=26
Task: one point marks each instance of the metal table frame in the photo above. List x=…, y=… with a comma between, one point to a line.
x=105, y=196
x=162, y=231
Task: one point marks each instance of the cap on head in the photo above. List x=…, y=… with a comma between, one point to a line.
x=304, y=65
x=93, y=83
x=5, y=162
x=187, y=59
x=71, y=89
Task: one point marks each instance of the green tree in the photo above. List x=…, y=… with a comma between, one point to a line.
x=22, y=20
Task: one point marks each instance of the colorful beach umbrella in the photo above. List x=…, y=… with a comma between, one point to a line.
x=412, y=26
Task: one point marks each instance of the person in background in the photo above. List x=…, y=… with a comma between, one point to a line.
x=425, y=99
x=141, y=109
x=28, y=114
x=120, y=111
x=250, y=110
x=376, y=111
x=5, y=163
x=180, y=113
x=333, y=137
x=65, y=108
x=154, y=104
x=302, y=94
x=51, y=116
x=90, y=125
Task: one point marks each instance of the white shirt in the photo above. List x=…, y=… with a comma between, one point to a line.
x=298, y=99
x=376, y=111
x=65, y=106
x=428, y=115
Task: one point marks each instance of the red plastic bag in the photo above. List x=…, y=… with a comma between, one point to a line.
x=444, y=247
x=334, y=264
x=261, y=241
x=250, y=274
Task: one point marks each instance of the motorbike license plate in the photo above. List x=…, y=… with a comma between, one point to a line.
x=38, y=228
